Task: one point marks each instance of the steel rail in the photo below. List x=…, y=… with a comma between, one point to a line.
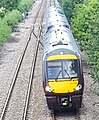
x=14, y=78
x=33, y=69
x=18, y=67
x=42, y=19
x=36, y=19
x=77, y=114
x=53, y=115
x=31, y=77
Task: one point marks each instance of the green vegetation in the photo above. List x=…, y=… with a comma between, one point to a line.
x=87, y=15
x=84, y=19
x=5, y=30
x=69, y=6
x=12, y=18
x=9, y=4
x=10, y=14
x=25, y=5
x=2, y=12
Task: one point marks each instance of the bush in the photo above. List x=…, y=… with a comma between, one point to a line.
x=2, y=12
x=5, y=30
x=84, y=18
x=85, y=24
x=25, y=5
x=68, y=6
x=12, y=18
x=9, y=4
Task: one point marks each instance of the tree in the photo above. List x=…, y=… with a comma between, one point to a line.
x=9, y=4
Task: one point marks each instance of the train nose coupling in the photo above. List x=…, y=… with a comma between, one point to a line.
x=64, y=101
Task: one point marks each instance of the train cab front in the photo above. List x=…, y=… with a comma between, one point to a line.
x=63, y=83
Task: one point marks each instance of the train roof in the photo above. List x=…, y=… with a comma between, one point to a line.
x=53, y=8
x=58, y=36
x=54, y=18
x=55, y=29
x=55, y=11
x=57, y=21
x=53, y=25
x=61, y=21
x=59, y=11
x=55, y=15
x=60, y=40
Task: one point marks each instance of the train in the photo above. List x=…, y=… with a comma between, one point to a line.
x=62, y=70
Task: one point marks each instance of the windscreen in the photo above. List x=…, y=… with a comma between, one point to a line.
x=62, y=69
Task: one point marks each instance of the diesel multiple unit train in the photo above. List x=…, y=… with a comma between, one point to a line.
x=63, y=81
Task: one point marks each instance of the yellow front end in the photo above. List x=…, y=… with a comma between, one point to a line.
x=63, y=86
x=62, y=82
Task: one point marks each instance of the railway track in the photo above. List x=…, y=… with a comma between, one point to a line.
x=31, y=76
x=19, y=65
x=53, y=115
x=65, y=115
x=77, y=114
x=38, y=41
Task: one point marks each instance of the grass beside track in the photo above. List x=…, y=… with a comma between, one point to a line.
x=11, y=18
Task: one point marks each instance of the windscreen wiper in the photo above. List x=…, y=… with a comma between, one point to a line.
x=68, y=74
x=58, y=75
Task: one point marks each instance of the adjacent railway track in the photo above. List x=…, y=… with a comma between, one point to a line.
x=19, y=65
x=31, y=76
x=38, y=41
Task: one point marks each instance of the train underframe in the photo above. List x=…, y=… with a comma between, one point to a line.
x=64, y=102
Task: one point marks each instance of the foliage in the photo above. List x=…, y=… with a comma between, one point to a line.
x=84, y=18
x=11, y=13
x=9, y=4
x=2, y=12
x=86, y=28
x=12, y=18
x=5, y=30
x=68, y=6
x=25, y=5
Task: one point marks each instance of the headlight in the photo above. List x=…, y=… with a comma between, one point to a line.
x=78, y=87
x=48, y=89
